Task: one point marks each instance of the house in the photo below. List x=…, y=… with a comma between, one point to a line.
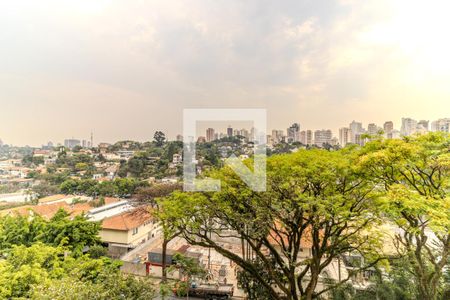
x=177, y=158
x=126, y=231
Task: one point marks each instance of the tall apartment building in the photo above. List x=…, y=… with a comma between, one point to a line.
x=409, y=126
x=244, y=132
x=306, y=137
x=355, y=128
x=229, y=131
x=277, y=136
x=423, y=126
x=323, y=136
x=71, y=143
x=293, y=133
x=372, y=129
x=210, y=135
x=388, y=128
x=344, y=136
x=441, y=125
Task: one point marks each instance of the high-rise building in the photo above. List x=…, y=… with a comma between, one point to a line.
x=306, y=137
x=293, y=133
x=229, y=131
x=423, y=126
x=355, y=128
x=1, y=143
x=210, y=134
x=372, y=129
x=441, y=125
x=388, y=126
x=409, y=126
x=179, y=138
x=344, y=136
x=71, y=143
x=244, y=132
x=322, y=137
x=277, y=136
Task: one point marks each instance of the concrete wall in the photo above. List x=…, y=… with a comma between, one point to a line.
x=114, y=236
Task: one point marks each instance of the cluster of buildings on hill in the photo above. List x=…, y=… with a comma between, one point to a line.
x=355, y=133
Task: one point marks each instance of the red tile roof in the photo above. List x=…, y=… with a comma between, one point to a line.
x=128, y=220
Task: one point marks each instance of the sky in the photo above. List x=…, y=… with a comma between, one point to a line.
x=124, y=69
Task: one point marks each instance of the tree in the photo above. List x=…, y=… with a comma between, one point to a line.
x=317, y=197
x=59, y=231
x=159, y=138
x=45, y=189
x=37, y=263
x=152, y=195
x=188, y=268
x=414, y=172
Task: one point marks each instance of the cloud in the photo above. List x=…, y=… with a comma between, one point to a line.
x=142, y=62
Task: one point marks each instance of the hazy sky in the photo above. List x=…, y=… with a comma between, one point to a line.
x=127, y=68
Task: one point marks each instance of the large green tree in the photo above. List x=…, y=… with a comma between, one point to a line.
x=415, y=173
x=316, y=199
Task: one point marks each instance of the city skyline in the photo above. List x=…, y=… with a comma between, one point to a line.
x=222, y=130
x=126, y=70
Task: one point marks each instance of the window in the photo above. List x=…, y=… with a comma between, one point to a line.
x=135, y=231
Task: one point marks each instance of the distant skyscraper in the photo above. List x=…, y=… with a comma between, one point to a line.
x=323, y=136
x=355, y=128
x=441, y=125
x=209, y=134
x=306, y=137
x=423, y=126
x=388, y=126
x=244, y=132
x=409, y=126
x=179, y=138
x=372, y=129
x=229, y=131
x=293, y=133
x=1, y=143
x=277, y=136
x=71, y=143
x=344, y=136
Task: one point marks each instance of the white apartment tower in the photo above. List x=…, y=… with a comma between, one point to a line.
x=355, y=128
x=372, y=129
x=323, y=136
x=409, y=126
x=306, y=137
x=344, y=136
x=441, y=125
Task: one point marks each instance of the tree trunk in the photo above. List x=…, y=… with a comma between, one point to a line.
x=163, y=262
